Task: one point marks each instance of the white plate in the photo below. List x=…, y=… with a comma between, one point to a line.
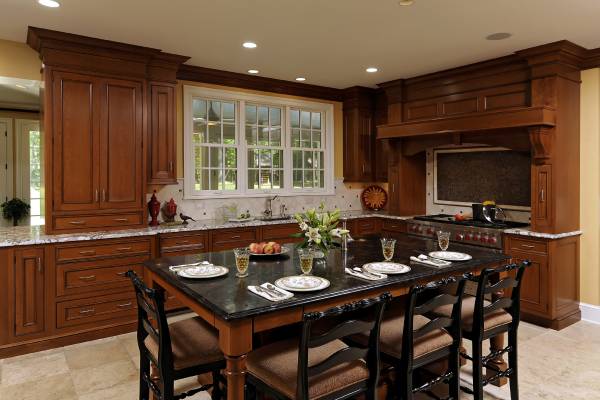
x=284, y=250
x=450, y=255
x=203, y=272
x=388, y=268
x=302, y=283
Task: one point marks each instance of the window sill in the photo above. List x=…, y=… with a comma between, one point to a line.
x=257, y=195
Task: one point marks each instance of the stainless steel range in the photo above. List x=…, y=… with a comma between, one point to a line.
x=467, y=231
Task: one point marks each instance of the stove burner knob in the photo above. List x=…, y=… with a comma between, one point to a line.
x=492, y=240
x=468, y=236
x=419, y=229
x=430, y=231
x=476, y=237
x=459, y=236
x=484, y=238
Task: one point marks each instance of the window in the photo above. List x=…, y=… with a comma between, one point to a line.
x=237, y=144
x=35, y=178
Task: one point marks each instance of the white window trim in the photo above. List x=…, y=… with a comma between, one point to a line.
x=189, y=92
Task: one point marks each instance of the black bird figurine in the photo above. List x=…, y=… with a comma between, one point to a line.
x=185, y=218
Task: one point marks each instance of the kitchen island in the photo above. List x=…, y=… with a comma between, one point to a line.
x=228, y=305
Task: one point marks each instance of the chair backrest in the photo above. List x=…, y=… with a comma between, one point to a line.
x=367, y=321
x=152, y=321
x=448, y=291
x=501, y=301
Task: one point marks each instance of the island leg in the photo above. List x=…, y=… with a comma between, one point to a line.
x=235, y=341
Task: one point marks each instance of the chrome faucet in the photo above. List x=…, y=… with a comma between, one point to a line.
x=282, y=210
x=269, y=211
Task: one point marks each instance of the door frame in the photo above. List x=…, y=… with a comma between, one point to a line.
x=9, y=169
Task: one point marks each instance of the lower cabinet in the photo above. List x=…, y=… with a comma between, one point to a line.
x=361, y=227
x=280, y=233
x=550, y=288
x=27, y=289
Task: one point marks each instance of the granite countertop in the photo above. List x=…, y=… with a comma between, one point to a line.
x=32, y=235
x=229, y=297
x=530, y=233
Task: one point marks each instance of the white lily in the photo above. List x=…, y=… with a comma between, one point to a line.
x=337, y=232
x=303, y=226
x=313, y=235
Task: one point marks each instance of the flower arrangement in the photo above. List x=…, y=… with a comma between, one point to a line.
x=319, y=228
x=15, y=209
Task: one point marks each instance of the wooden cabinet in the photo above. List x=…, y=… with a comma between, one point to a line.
x=163, y=160
x=280, y=233
x=27, y=291
x=542, y=197
x=550, y=288
x=97, y=155
x=359, y=135
x=227, y=239
x=181, y=244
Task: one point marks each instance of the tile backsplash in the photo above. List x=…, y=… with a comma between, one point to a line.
x=346, y=198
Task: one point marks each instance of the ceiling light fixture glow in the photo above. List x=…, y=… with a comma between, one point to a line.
x=371, y=69
x=300, y=79
x=498, y=36
x=249, y=45
x=49, y=3
x=406, y=2
x=253, y=71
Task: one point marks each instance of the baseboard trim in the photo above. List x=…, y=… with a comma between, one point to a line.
x=590, y=313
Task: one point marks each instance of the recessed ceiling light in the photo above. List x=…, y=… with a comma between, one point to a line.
x=406, y=2
x=498, y=36
x=20, y=86
x=49, y=3
x=300, y=79
x=371, y=69
x=249, y=45
x=253, y=71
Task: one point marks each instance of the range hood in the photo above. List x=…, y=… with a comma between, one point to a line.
x=521, y=117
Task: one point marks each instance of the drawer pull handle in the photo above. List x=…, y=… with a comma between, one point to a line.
x=236, y=237
x=88, y=278
x=123, y=248
x=121, y=219
x=88, y=311
x=528, y=246
x=121, y=273
x=182, y=242
x=87, y=252
x=124, y=305
x=77, y=222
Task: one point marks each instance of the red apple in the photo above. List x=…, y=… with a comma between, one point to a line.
x=256, y=248
x=268, y=249
x=277, y=248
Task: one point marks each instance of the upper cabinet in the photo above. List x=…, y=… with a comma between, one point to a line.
x=365, y=160
x=110, y=119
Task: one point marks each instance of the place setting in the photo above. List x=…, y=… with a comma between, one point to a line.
x=443, y=257
x=199, y=270
x=375, y=271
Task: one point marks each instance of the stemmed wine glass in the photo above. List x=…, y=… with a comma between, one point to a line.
x=443, y=240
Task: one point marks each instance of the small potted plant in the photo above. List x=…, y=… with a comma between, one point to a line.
x=319, y=228
x=15, y=209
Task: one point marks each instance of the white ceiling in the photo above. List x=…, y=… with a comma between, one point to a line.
x=330, y=42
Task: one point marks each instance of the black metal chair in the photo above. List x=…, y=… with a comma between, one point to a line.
x=321, y=365
x=483, y=319
x=178, y=350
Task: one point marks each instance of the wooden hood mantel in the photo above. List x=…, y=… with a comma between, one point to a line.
x=523, y=117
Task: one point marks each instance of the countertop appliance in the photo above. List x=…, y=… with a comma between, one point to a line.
x=468, y=231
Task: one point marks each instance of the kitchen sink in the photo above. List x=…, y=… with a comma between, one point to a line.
x=275, y=218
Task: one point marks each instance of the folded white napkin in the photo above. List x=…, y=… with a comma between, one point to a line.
x=366, y=276
x=176, y=268
x=266, y=293
x=423, y=259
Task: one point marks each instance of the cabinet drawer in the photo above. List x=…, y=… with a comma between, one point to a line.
x=367, y=226
x=528, y=245
x=92, y=276
x=196, y=242
x=82, y=252
x=232, y=238
x=394, y=226
x=105, y=309
x=281, y=233
x=96, y=221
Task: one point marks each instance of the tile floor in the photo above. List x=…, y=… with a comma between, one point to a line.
x=553, y=365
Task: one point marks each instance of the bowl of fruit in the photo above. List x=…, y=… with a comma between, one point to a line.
x=267, y=249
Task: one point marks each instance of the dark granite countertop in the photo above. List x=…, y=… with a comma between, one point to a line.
x=229, y=298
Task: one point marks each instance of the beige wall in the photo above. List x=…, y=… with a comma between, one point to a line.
x=337, y=117
x=17, y=60
x=590, y=186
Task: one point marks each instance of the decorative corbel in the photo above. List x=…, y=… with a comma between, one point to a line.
x=541, y=143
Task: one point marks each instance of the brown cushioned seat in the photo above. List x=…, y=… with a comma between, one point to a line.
x=193, y=342
x=492, y=320
x=277, y=365
x=392, y=330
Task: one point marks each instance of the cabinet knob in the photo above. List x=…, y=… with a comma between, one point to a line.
x=88, y=278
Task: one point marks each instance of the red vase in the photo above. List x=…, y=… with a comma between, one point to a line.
x=154, y=209
x=170, y=210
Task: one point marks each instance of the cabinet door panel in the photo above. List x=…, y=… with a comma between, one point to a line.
x=75, y=148
x=542, y=197
x=534, y=288
x=162, y=134
x=28, y=301
x=121, y=148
